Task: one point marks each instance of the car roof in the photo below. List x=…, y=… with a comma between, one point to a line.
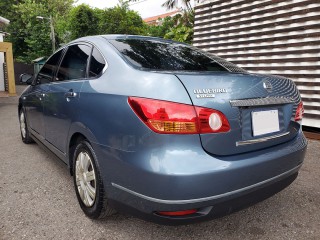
x=124, y=36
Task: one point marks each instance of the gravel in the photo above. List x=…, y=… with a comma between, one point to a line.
x=37, y=201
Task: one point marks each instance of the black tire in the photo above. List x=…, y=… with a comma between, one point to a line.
x=99, y=207
x=25, y=134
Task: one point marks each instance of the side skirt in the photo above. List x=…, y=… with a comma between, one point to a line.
x=51, y=150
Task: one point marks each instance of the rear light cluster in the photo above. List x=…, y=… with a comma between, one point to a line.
x=169, y=117
x=299, y=112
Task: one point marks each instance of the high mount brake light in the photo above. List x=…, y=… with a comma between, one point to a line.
x=176, y=118
x=299, y=112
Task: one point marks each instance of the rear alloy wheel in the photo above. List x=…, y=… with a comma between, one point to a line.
x=85, y=179
x=25, y=136
x=88, y=183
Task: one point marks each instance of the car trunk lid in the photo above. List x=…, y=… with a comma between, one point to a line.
x=247, y=100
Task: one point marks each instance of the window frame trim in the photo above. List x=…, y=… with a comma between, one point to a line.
x=64, y=53
x=64, y=50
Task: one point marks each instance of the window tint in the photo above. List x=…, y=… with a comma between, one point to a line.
x=97, y=64
x=74, y=63
x=156, y=55
x=47, y=72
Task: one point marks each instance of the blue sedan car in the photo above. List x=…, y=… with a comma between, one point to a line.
x=161, y=129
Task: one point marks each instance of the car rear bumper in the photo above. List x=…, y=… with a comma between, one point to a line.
x=216, y=186
x=206, y=210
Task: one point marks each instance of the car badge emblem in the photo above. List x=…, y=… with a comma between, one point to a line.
x=208, y=92
x=267, y=85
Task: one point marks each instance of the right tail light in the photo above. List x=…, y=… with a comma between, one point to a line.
x=175, y=118
x=299, y=112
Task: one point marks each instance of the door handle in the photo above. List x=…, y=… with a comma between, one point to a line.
x=70, y=94
x=41, y=95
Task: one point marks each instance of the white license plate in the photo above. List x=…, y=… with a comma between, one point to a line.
x=264, y=122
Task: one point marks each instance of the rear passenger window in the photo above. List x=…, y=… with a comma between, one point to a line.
x=74, y=63
x=97, y=64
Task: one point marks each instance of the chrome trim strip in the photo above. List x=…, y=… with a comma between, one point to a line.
x=259, y=140
x=205, y=198
x=261, y=101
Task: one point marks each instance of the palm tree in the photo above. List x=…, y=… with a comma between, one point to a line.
x=169, y=4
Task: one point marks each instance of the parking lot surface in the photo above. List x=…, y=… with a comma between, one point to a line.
x=37, y=201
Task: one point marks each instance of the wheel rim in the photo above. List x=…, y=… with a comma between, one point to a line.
x=85, y=179
x=23, y=125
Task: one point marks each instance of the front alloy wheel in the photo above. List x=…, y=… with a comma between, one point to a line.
x=25, y=136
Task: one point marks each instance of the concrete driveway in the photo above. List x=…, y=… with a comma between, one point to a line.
x=37, y=201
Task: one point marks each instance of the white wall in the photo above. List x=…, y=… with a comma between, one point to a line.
x=1, y=66
x=267, y=37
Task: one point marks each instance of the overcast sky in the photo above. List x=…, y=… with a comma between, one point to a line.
x=146, y=8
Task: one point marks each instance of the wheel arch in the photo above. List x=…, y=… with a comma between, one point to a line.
x=19, y=108
x=77, y=133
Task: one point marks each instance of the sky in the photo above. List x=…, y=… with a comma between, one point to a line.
x=146, y=8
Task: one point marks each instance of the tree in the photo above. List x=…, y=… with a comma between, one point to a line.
x=162, y=29
x=29, y=35
x=180, y=34
x=179, y=27
x=6, y=8
x=170, y=4
x=121, y=20
x=83, y=21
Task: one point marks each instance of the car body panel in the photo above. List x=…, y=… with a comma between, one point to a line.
x=164, y=172
x=60, y=110
x=153, y=172
x=34, y=100
x=242, y=86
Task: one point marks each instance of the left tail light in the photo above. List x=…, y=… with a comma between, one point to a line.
x=299, y=112
x=176, y=118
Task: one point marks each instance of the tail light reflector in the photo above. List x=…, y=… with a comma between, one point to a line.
x=178, y=213
x=169, y=117
x=299, y=112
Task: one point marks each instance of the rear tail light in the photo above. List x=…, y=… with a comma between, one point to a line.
x=178, y=213
x=168, y=117
x=211, y=121
x=299, y=112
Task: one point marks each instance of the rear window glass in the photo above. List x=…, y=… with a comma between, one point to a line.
x=162, y=56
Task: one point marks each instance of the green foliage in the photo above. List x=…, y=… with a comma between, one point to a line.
x=161, y=30
x=6, y=9
x=178, y=28
x=170, y=4
x=121, y=20
x=29, y=35
x=180, y=34
x=83, y=21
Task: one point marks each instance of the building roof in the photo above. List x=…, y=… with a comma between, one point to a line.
x=153, y=20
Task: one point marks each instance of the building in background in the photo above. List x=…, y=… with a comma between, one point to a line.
x=156, y=20
x=3, y=23
x=268, y=37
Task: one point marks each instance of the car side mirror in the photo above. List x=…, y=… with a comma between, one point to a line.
x=25, y=78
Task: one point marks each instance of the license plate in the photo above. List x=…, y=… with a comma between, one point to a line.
x=264, y=122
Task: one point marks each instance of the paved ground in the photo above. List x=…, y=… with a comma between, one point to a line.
x=37, y=201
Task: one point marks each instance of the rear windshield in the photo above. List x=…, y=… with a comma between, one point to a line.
x=162, y=56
